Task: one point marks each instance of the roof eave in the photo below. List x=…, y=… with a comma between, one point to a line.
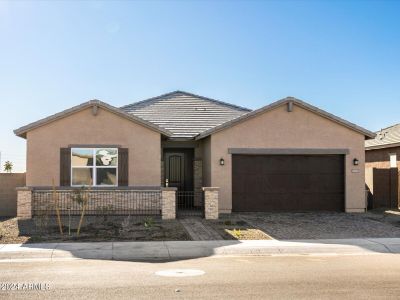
x=368, y=134
x=181, y=139
x=22, y=131
x=383, y=146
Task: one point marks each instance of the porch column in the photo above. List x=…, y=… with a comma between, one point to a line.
x=211, y=195
x=198, y=181
x=24, y=202
x=162, y=173
x=168, y=203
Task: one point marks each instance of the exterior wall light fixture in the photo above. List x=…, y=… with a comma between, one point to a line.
x=355, y=162
x=221, y=162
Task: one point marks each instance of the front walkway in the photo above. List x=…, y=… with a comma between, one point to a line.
x=197, y=231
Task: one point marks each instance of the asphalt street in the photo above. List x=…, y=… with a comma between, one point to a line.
x=280, y=277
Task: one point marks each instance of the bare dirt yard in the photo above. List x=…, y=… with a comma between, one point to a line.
x=13, y=231
x=249, y=226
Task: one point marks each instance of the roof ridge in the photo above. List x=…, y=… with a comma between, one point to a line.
x=188, y=94
x=387, y=127
x=148, y=99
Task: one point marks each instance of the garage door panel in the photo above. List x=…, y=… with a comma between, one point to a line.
x=295, y=164
x=290, y=202
x=327, y=182
x=281, y=183
x=248, y=181
x=287, y=183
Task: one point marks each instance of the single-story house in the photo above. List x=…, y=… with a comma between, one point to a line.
x=382, y=161
x=285, y=156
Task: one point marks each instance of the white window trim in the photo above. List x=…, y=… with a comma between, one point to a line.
x=394, y=161
x=94, y=168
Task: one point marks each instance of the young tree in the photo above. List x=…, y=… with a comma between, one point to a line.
x=8, y=166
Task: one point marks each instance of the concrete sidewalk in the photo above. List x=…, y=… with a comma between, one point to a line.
x=176, y=250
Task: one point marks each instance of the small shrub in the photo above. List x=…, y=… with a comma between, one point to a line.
x=104, y=211
x=126, y=225
x=237, y=233
x=148, y=222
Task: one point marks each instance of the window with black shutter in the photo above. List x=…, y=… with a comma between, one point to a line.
x=65, y=166
x=123, y=167
x=94, y=166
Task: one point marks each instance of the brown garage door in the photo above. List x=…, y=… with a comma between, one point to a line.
x=287, y=182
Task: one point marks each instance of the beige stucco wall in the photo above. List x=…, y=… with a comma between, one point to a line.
x=369, y=178
x=84, y=128
x=281, y=129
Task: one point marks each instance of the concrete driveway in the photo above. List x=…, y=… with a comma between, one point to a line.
x=324, y=225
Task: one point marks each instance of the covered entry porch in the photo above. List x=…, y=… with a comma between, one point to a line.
x=182, y=168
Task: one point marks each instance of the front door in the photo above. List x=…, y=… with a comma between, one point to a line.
x=175, y=169
x=178, y=168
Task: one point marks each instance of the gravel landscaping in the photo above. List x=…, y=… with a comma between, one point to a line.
x=9, y=232
x=318, y=225
x=233, y=228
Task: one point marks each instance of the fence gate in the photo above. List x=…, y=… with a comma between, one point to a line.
x=189, y=203
x=386, y=185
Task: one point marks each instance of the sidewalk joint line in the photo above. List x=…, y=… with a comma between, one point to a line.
x=52, y=251
x=390, y=251
x=169, y=255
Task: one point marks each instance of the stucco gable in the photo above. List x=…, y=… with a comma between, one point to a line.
x=289, y=101
x=94, y=104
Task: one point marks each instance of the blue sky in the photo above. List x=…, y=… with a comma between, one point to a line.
x=342, y=56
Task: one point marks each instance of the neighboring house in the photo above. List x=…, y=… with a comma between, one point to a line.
x=286, y=156
x=382, y=160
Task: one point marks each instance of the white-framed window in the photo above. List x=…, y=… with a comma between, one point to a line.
x=94, y=166
x=393, y=160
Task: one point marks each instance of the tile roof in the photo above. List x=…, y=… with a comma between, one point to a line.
x=184, y=114
x=181, y=115
x=385, y=138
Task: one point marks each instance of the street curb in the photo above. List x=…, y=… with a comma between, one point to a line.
x=177, y=250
